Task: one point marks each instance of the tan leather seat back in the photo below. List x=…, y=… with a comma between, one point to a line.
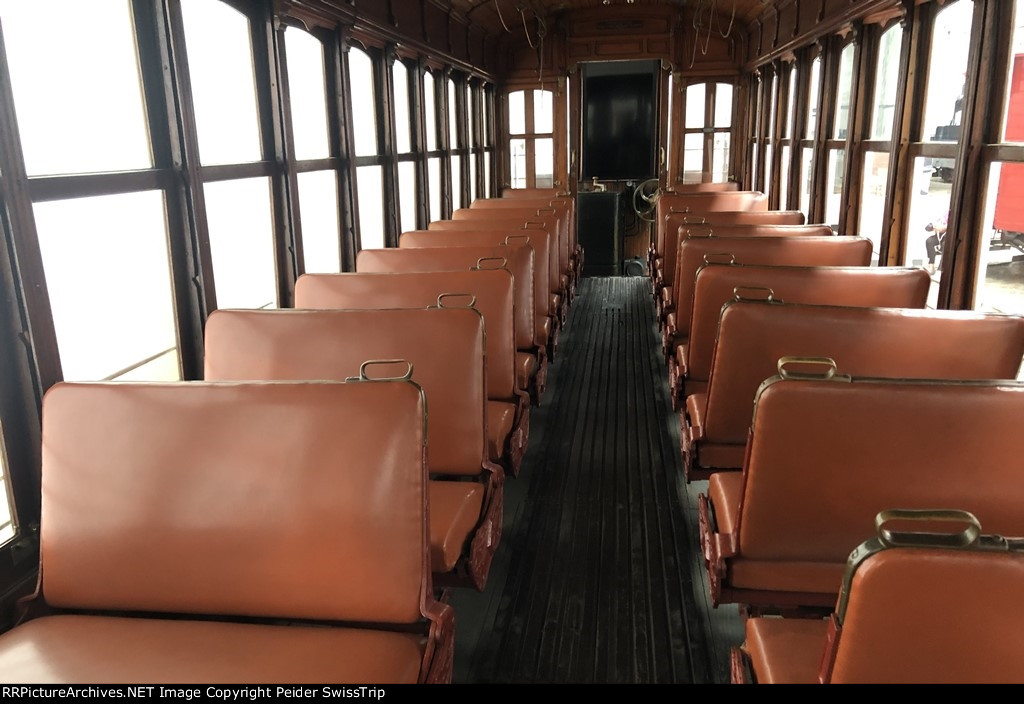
x=296, y=501
x=746, y=217
x=551, y=219
x=927, y=615
x=563, y=205
x=882, y=342
x=703, y=202
x=547, y=259
x=529, y=301
x=715, y=285
x=695, y=252
x=444, y=346
x=686, y=188
x=825, y=456
x=492, y=289
x=528, y=193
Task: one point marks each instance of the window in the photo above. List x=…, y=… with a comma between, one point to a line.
x=836, y=166
x=808, y=144
x=455, y=121
x=400, y=78
x=531, y=138
x=433, y=154
x=707, y=130
x=8, y=517
x=369, y=174
x=318, y=189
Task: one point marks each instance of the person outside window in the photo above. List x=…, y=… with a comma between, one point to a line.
x=936, y=230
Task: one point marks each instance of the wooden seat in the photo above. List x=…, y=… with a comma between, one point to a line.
x=827, y=452
x=885, y=342
x=488, y=290
x=912, y=612
x=232, y=533
x=446, y=350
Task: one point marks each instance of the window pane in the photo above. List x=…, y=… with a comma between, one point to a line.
x=488, y=111
x=430, y=110
x=242, y=243
x=946, y=72
x=453, y=117
x=318, y=210
x=434, y=178
x=407, y=194
x=834, y=192
x=872, y=199
x=787, y=127
x=767, y=168
x=723, y=105
x=1001, y=275
x=371, y=207
x=517, y=112
x=784, y=157
x=1013, y=117
x=753, y=164
x=886, y=78
x=108, y=274
x=844, y=92
x=693, y=157
x=473, y=191
x=805, y=181
x=307, y=94
x=720, y=157
x=364, y=118
x=695, y=106
x=471, y=140
x=223, y=87
x=929, y=210
x=518, y=163
x=543, y=112
x=545, y=163
x=79, y=124
x=772, y=108
x=812, y=98
x=403, y=122
x=487, y=175
x=457, y=182
x=8, y=517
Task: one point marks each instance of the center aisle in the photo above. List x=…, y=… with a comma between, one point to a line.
x=594, y=580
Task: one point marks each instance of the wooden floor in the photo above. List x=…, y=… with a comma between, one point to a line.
x=598, y=577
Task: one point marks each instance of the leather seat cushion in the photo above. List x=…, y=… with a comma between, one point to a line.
x=454, y=512
x=501, y=416
x=786, y=650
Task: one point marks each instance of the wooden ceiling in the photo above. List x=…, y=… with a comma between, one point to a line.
x=499, y=16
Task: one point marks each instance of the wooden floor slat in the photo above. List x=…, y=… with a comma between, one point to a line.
x=597, y=578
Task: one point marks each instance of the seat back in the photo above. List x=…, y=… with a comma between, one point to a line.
x=883, y=342
x=555, y=220
x=490, y=290
x=927, y=614
x=862, y=286
x=444, y=346
x=826, y=455
x=684, y=188
x=236, y=500
x=527, y=247
x=695, y=252
x=742, y=217
x=546, y=257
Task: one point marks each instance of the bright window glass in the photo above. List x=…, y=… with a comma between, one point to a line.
x=371, y=207
x=929, y=209
x=695, y=106
x=545, y=162
x=407, y=194
x=403, y=120
x=434, y=182
x=457, y=182
x=364, y=119
x=518, y=159
x=517, y=112
x=307, y=93
x=1001, y=272
x=543, y=112
x=318, y=209
x=430, y=110
x=886, y=79
x=720, y=157
x=947, y=70
x=453, y=117
x=723, y=105
x=693, y=157
x=242, y=243
x=872, y=199
x=70, y=122
x=834, y=191
x=844, y=92
x=812, y=98
x=108, y=276
x=223, y=84
x=8, y=518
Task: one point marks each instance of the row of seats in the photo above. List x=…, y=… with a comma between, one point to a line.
x=341, y=464
x=816, y=392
